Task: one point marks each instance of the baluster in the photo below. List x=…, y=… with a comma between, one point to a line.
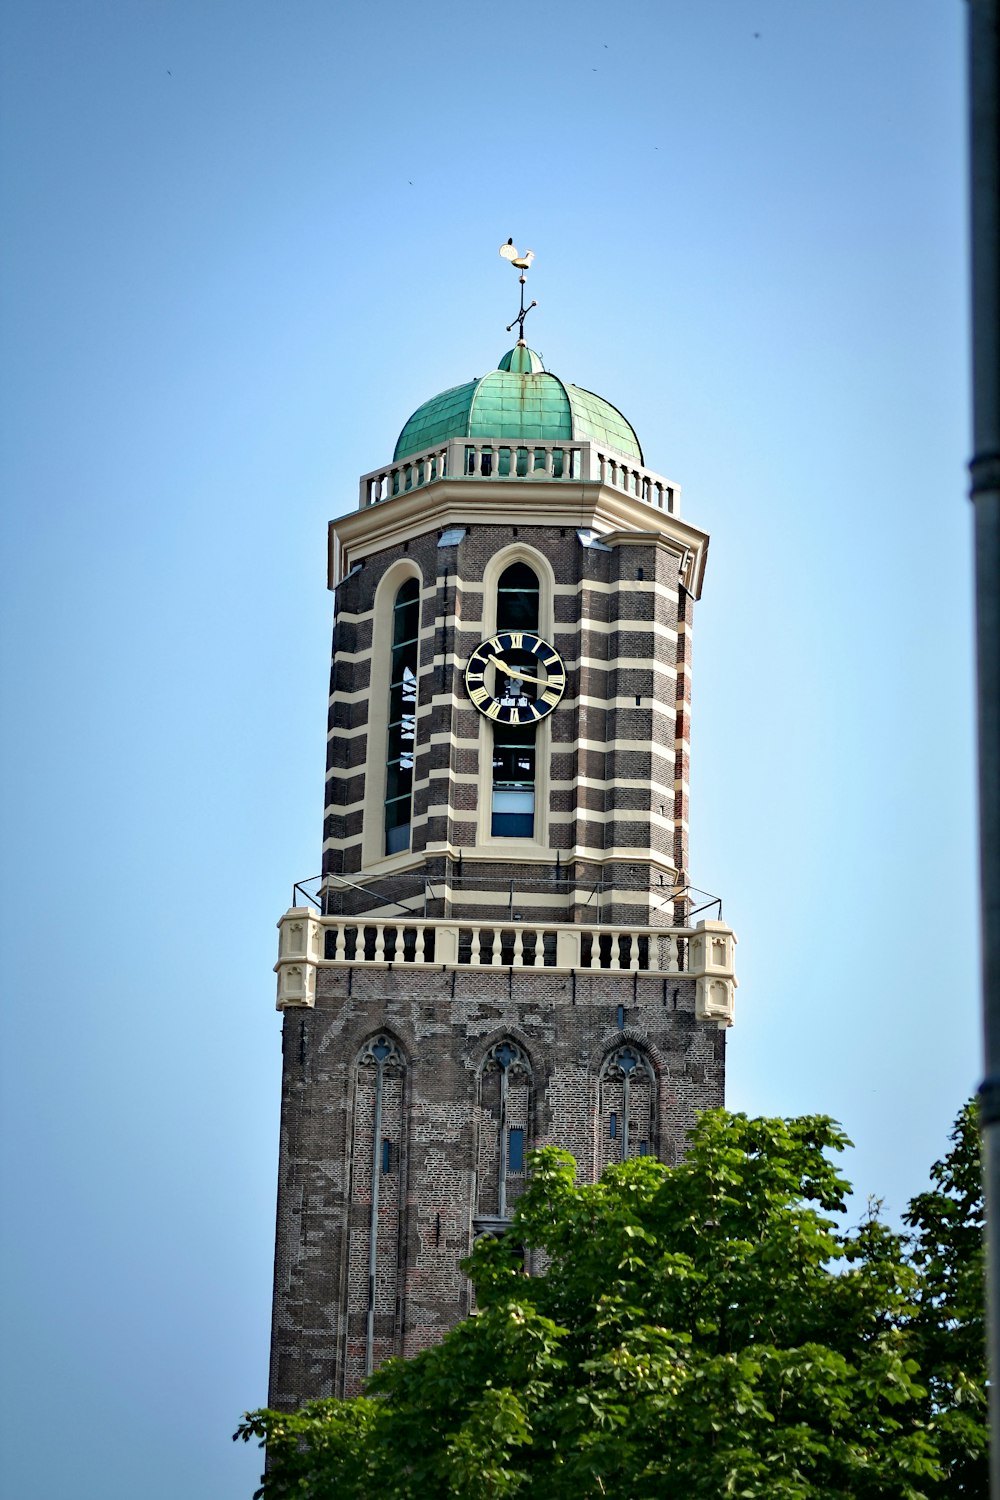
x=379, y=942
x=549, y=463
x=398, y=951
x=654, y=952
x=475, y=957
x=594, y=961
x=604, y=467
x=418, y=947
x=497, y=948
x=616, y=961
x=340, y=949
x=518, y=948
x=633, y=951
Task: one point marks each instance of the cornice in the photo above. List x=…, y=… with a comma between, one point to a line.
x=619, y=518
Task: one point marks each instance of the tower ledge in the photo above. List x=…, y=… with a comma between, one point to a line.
x=465, y=481
x=310, y=941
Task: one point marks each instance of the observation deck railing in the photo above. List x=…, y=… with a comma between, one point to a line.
x=500, y=462
x=310, y=942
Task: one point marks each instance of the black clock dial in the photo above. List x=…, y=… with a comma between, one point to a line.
x=515, y=677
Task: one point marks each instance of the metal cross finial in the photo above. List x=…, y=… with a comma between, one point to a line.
x=522, y=263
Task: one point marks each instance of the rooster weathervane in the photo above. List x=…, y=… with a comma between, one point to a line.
x=521, y=263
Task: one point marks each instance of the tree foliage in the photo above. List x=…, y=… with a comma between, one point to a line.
x=698, y=1330
x=947, y=1329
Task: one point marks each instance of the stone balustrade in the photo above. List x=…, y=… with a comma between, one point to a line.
x=472, y=458
x=310, y=942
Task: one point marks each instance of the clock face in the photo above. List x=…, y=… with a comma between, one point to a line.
x=515, y=677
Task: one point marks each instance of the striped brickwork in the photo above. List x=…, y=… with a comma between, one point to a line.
x=615, y=766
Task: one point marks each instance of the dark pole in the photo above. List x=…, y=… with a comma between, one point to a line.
x=984, y=130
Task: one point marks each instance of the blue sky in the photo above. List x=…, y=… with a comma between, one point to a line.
x=241, y=244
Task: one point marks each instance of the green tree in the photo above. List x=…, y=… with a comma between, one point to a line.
x=697, y=1330
x=948, y=1330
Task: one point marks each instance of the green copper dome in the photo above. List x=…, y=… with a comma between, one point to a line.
x=519, y=402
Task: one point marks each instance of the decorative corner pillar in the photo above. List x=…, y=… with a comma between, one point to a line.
x=300, y=948
x=713, y=968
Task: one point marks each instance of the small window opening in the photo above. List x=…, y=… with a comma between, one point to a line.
x=613, y=1126
x=643, y=1148
x=640, y=573
x=386, y=1155
x=517, y=597
x=513, y=781
x=515, y=1149
x=621, y=1017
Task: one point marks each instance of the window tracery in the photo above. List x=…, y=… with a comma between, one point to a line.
x=627, y=1114
x=505, y=1104
x=376, y=1186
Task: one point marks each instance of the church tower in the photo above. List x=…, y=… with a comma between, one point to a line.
x=503, y=950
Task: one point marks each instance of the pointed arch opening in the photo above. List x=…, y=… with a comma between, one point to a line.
x=627, y=1112
x=505, y=1098
x=402, y=732
x=378, y=1151
x=512, y=809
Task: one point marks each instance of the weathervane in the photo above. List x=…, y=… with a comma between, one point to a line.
x=522, y=262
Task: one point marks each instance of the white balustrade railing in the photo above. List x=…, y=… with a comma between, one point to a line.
x=310, y=942
x=474, y=458
x=488, y=944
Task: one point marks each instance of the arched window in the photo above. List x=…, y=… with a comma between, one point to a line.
x=513, y=807
x=517, y=598
x=627, y=1115
x=505, y=1106
x=401, y=741
x=376, y=1197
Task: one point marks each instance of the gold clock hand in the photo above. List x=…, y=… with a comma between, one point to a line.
x=513, y=672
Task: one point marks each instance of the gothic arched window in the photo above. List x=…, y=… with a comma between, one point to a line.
x=513, y=806
x=505, y=1111
x=627, y=1114
x=377, y=1195
x=401, y=742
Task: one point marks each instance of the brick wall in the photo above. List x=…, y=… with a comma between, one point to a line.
x=443, y=1174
